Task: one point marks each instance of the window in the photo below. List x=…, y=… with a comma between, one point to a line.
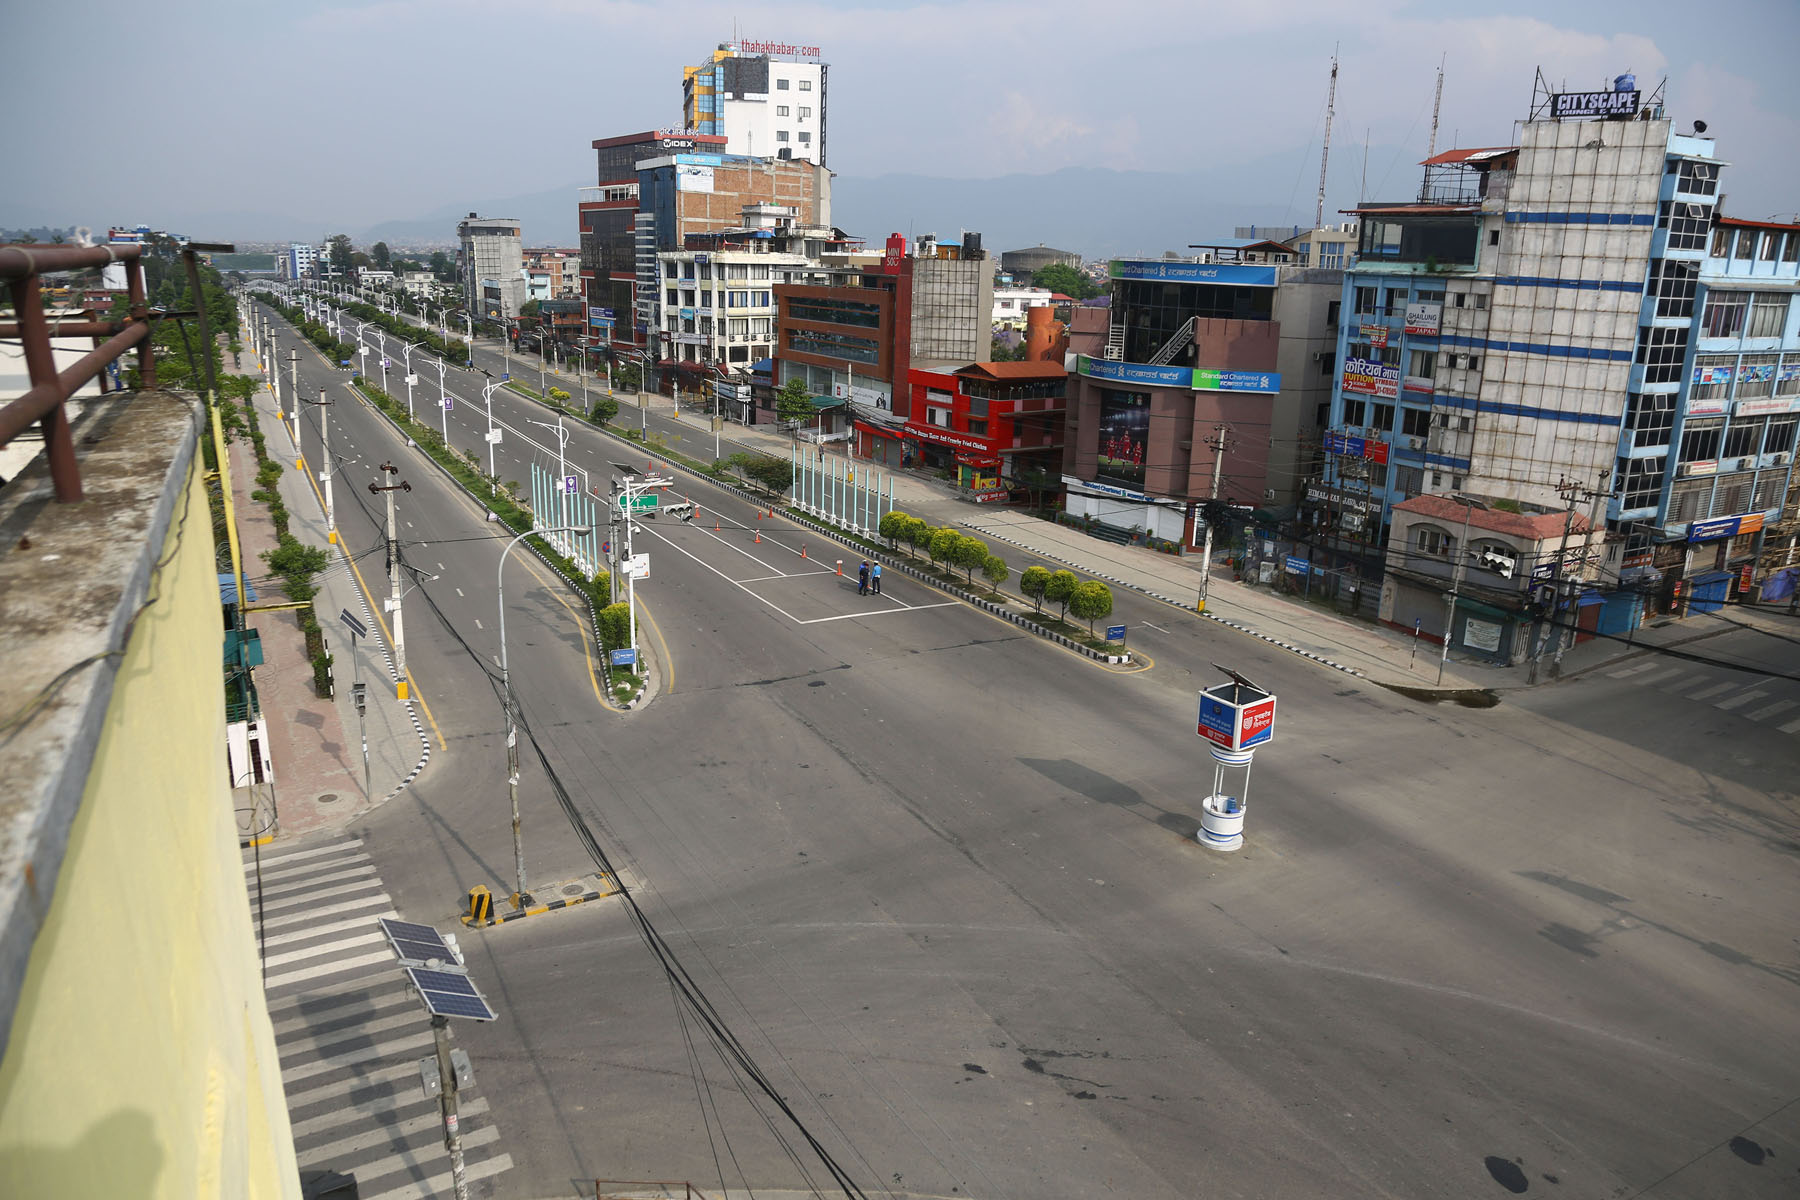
x=781, y=110
x=674, y=298
x=1354, y=411
x=1712, y=376
x=1756, y=376
x=1687, y=224
x=1768, y=315
x=1780, y=438
x=1494, y=236
x=1409, y=481
x=1421, y=364
x=1697, y=178
x=978, y=427
x=1432, y=541
x=1651, y=418
x=1771, y=244
x=781, y=85
x=1660, y=351
x=740, y=328
x=806, y=136
x=1787, y=377
x=1688, y=498
x=1381, y=416
x=1791, y=250
x=1721, y=243
x=781, y=135
x=1642, y=480
x=1700, y=440
x=1416, y=422
x=806, y=85
x=1327, y=362
x=1366, y=302
x=1672, y=283
x=1724, y=315
x=805, y=112
x=1378, y=476
x=1744, y=438
x=1746, y=244
x=1332, y=308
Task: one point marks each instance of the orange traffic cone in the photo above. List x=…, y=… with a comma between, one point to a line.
x=840, y=567
x=802, y=549
x=759, y=537
x=715, y=524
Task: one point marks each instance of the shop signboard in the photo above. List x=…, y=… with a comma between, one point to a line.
x=1211, y=380
x=1367, y=377
x=1145, y=373
x=1424, y=319
x=1376, y=336
x=1713, y=530
x=1771, y=404
x=1186, y=272
x=1576, y=105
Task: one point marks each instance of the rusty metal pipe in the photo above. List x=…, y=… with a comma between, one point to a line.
x=16, y=262
x=37, y=403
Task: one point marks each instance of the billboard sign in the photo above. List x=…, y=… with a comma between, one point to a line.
x=1713, y=530
x=1376, y=336
x=1234, y=716
x=1187, y=272
x=1145, y=373
x=1424, y=319
x=1365, y=377
x=1576, y=105
x=692, y=178
x=1210, y=380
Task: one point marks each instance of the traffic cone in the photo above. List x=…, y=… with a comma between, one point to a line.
x=840, y=568
x=802, y=549
x=759, y=537
x=715, y=524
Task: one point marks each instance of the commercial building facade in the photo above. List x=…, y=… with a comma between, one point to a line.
x=766, y=99
x=297, y=261
x=490, y=259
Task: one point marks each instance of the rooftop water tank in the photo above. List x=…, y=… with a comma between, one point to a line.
x=1625, y=83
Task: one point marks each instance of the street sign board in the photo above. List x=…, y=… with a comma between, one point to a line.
x=638, y=566
x=1296, y=566
x=356, y=627
x=1115, y=633
x=640, y=503
x=449, y=403
x=570, y=484
x=1234, y=716
x=624, y=658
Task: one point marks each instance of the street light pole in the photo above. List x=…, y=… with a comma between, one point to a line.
x=506, y=694
x=487, y=398
x=393, y=563
x=1456, y=578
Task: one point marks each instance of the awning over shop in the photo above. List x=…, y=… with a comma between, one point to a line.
x=823, y=403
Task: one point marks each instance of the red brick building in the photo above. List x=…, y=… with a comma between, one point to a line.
x=989, y=422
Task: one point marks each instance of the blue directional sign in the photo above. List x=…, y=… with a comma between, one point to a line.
x=625, y=658
x=1296, y=566
x=1115, y=633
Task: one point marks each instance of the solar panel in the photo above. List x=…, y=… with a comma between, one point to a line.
x=450, y=994
x=414, y=942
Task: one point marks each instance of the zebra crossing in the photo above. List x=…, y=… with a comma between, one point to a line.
x=350, y=1032
x=1733, y=692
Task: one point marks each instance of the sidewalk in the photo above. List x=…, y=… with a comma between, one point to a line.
x=1360, y=648
x=315, y=744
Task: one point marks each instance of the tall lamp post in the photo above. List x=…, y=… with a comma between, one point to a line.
x=1470, y=504
x=487, y=397
x=409, y=347
x=512, y=733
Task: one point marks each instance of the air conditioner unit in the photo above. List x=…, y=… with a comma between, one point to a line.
x=1462, y=362
x=1417, y=443
x=1741, y=464
x=1779, y=460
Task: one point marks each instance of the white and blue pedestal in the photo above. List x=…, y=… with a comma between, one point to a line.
x=1221, y=813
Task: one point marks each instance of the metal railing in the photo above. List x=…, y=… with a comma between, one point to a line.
x=21, y=268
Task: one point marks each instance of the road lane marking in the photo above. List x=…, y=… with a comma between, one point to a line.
x=1791, y=727
x=1771, y=710
x=1630, y=671
x=1746, y=698
x=459, y=593
x=1716, y=690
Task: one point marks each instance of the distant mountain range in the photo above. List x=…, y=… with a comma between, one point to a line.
x=1093, y=211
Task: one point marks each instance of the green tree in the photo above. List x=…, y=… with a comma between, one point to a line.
x=342, y=256
x=793, y=404
x=1033, y=581
x=441, y=267
x=995, y=570
x=893, y=526
x=1060, y=588
x=971, y=554
x=528, y=311
x=296, y=563
x=604, y=410
x=615, y=626
x=379, y=255
x=941, y=545
x=1059, y=277
x=775, y=474
x=917, y=531
x=1090, y=600
x=1004, y=353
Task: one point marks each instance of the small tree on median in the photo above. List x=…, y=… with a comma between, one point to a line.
x=995, y=570
x=1033, y=581
x=794, y=406
x=1090, y=601
x=915, y=533
x=969, y=554
x=893, y=526
x=1060, y=588
x=942, y=546
x=604, y=409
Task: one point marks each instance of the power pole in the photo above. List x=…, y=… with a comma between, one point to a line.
x=1568, y=489
x=1565, y=636
x=393, y=566
x=294, y=383
x=1220, y=443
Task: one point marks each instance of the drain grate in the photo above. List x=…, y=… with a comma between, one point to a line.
x=573, y=889
x=327, y=797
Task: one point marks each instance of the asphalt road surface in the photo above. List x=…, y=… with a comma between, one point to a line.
x=938, y=880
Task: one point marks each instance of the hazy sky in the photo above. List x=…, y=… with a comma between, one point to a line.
x=340, y=115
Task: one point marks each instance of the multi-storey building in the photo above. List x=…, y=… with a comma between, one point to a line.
x=1526, y=330
x=1011, y=304
x=767, y=99
x=490, y=259
x=1195, y=359
x=551, y=273
x=297, y=261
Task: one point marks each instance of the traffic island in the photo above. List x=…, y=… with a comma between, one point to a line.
x=484, y=910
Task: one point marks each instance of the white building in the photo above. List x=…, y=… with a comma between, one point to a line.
x=297, y=260
x=765, y=97
x=1010, y=304
x=491, y=260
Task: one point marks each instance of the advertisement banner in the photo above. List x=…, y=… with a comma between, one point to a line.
x=1124, y=436
x=1424, y=319
x=1712, y=374
x=1186, y=272
x=1366, y=377
x=689, y=178
x=1211, y=380
x=1417, y=383
x=1124, y=372
x=1375, y=451
x=1773, y=404
x=1713, y=530
x=1575, y=105
x=1376, y=336
x=1756, y=372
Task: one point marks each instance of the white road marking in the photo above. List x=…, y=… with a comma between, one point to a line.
x=439, y=1185
x=892, y=612
x=387, y=1134
x=1148, y=625
x=1791, y=727
x=332, y=968
x=1665, y=677
x=478, y=623
x=358, y=922
x=1771, y=710
x=1716, y=690
x=269, y=859
x=459, y=591
x=1630, y=671
x=1746, y=698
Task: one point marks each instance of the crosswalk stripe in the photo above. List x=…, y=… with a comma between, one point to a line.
x=1746, y=698
x=307, y=885
x=1770, y=710
x=303, y=870
x=1791, y=727
x=288, y=939
x=362, y=1054
x=355, y=1003
x=343, y=1090
x=439, y=1185
x=407, y=1096
x=432, y=1154
x=386, y=1135
x=378, y=905
x=331, y=947
x=267, y=860
x=316, y=972
x=327, y=1043
x=1718, y=689
x=287, y=902
x=1666, y=677
x=1628, y=672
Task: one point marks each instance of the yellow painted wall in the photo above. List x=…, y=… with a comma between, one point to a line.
x=141, y=1061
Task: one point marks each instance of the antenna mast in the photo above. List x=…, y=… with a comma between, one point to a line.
x=1325, y=151
x=1436, y=104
